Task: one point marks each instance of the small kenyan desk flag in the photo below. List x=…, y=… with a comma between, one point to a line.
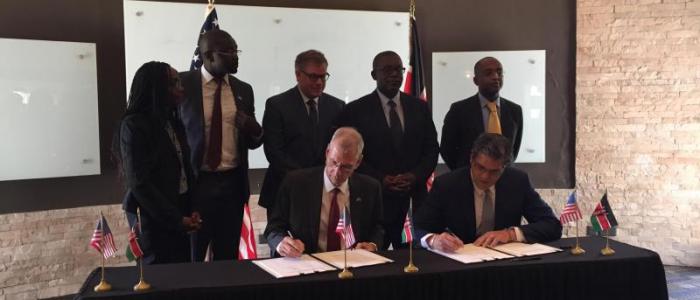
x=603, y=217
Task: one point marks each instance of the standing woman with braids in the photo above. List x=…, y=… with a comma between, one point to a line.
x=152, y=152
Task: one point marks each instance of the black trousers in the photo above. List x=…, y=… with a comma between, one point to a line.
x=395, y=208
x=219, y=197
x=159, y=245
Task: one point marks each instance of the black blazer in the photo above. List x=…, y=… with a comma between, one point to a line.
x=464, y=123
x=289, y=138
x=192, y=115
x=451, y=205
x=298, y=209
x=152, y=170
x=419, y=149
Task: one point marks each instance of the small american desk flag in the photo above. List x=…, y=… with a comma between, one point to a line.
x=102, y=239
x=344, y=229
x=571, y=211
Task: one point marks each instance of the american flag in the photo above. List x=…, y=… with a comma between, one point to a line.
x=344, y=229
x=102, y=239
x=571, y=211
x=211, y=22
x=246, y=246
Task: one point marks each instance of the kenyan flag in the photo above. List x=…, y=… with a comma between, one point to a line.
x=602, y=217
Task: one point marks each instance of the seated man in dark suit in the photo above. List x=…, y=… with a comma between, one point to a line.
x=309, y=203
x=484, y=203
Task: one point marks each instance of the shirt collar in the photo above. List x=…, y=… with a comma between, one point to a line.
x=306, y=99
x=483, y=100
x=386, y=99
x=479, y=191
x=328, y=185
x=207, y=77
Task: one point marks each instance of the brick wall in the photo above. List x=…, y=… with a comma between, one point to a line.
x=638, y=136
x=638, y=120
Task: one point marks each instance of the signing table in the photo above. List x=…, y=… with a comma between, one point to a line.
x=632, y=273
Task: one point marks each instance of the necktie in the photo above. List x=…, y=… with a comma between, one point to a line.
x=313, y=113
x=487, y=218
x=333, y=240
x=214, y=149
x=395, y=125
x=494, y=125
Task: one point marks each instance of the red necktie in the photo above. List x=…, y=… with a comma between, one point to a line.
x=333, y=240
x=214, y=149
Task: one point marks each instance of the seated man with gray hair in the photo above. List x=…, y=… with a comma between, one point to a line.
x=484, y=203
x=310, y=202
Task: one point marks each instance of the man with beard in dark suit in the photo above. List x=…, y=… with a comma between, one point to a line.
x=219, y=118
x=401, y=142
x=298, y=124
x=486, y=111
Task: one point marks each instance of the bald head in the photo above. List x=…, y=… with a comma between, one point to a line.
x=219, y=53
x=347, y=140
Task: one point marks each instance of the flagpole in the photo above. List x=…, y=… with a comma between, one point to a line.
x=103, y=286
x=142, y=285
x=345, y=274
x=411, y=268
x=607, y=251
x=577, y=250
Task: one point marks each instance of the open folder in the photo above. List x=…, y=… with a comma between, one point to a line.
x=319, y=262
x=470, y=253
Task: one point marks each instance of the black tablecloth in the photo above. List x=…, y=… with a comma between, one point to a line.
x=632, y=273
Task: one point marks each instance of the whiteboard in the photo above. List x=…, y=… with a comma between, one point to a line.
x=48, y=109
x=270, y=38
x=523, y=83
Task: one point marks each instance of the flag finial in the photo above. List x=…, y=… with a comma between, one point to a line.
x=412, y=9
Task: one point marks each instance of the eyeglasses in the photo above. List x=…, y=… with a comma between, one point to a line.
x=230, y=52
x=390, y=69
x=314, y=77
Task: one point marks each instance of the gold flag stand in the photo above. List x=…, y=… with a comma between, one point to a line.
x=577, y=250
x=410, y=268
x=607, y=251
x=103, y=286
x=345, y=274
x=142, y=285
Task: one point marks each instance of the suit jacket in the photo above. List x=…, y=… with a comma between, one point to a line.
x=419, y=149
x=451, y=205
x=192, y=115
x=464, y=122
x=152, y=170
x=298, y=209
x=289, y=137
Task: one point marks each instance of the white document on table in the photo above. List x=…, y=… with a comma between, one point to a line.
x=522, y=249
x=290, y=266
x=356, y=258
x=470, y=253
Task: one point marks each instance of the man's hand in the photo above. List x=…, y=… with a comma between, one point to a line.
x=445, y=242
x=391, y=183
x=405, y=181
x=190, y=225
x=247, y=124
x=495, y=238
x=367, y=246
x=290, y=247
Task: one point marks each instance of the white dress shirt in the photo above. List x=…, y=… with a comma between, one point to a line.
x=229, y=132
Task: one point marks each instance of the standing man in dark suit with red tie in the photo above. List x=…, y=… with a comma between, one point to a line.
x=486, y=111
x=219, y=118
x=401, y=146
x=298, y=124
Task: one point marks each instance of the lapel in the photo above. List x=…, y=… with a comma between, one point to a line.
x=237, y=98
x=298, y=107
x=474, y=110
x=505, y=117
x=378, y=114
x=467, y=207
x=315, y=197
